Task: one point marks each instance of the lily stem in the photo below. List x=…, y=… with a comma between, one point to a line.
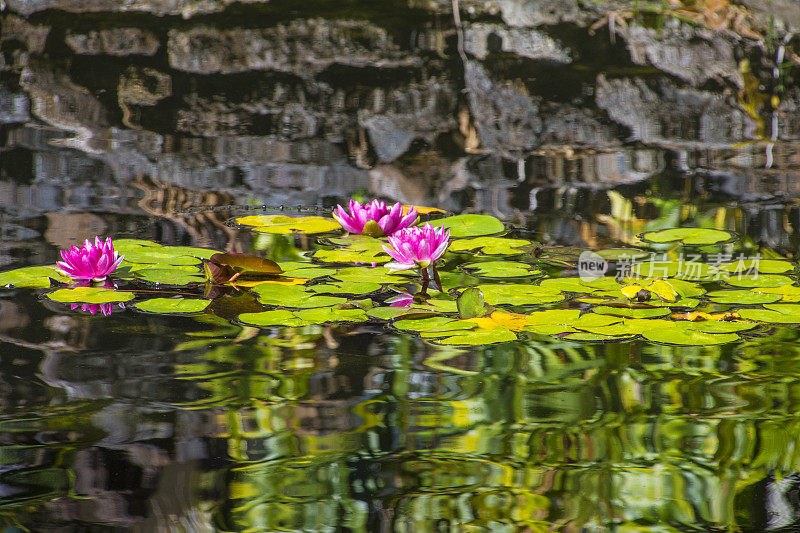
x=426, y=279
x=436, y=278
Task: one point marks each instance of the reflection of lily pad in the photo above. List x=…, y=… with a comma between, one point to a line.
x=500, y=269
x=489, y=245
x=469, y=225
x=284, y=224
x=173, y=305
x=691, y=236
x=90, y=295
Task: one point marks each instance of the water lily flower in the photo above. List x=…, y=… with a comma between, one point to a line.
x=93, y=261
x=375, y=219
x=417, y=247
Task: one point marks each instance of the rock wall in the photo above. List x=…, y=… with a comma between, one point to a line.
x=402, y=101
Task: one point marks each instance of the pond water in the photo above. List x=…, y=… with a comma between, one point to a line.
x=579, y=125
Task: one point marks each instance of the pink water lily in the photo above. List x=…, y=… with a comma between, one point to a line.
x=93, y=261
x=417, y=247
x=385, y=220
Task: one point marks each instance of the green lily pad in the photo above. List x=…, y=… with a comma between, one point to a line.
x=376, y=274
x=580, y=286
x=479, y=337
x=629, y=312
x=489, y=245
x=346, y=287
x=742, y=297
x=758, y=280
x=360, y=250
x=325, y=315
x=622, y=254
x=283, y=224
x=159, y=256
x=582, y=336
x=718, y=326
x=172, y=305
x=168, y=276
x=676, y=269
x=90, y=295
x=500, y=269
x=469, y=225
x=437, y=324
x=36, y=277
x=520, y=294
x=470, y=303
x=688, y=236
x=274, y=318
x=788, y=293
x=688, y=337
x=763, y=266
x=293, y=296
x=773, y=314
x=297, y=269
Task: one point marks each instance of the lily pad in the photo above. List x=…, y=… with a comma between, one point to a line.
x=360, y=250
x=346, y=287
x=763, y=266
x=36, y=277
x=629, y=312
x=758, y=280
x=678, y=269
x=480, y=337
x=168, y=276
x=742, y=297
x=469, y=225
x=283, y=224
x=297, y=269
x=688, y=236
x=520, y=294
x=788, y=293
x=376, y=274
x=489, y=245
x=500, y=269
x=688, y=337
x=90, y=295
x=774, y=314
x=293, y=296
x=172, y=305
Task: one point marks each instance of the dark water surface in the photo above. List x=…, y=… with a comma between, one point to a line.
x=130, y=119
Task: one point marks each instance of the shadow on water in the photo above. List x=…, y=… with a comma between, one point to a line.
x=584, y=123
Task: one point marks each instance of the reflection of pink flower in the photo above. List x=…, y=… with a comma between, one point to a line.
x=92, y=261
x=106, y=309
x=388, y=219
x=417, y=247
